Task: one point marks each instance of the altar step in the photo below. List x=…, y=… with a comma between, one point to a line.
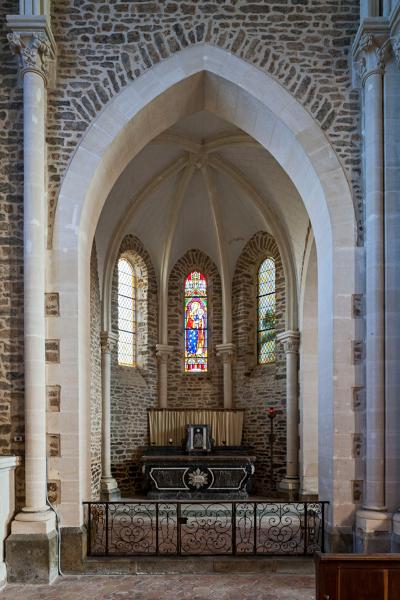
x=184, y=565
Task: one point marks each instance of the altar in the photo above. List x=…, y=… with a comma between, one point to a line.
x=199, y=466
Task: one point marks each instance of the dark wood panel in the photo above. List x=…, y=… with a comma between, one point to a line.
x=363, y=583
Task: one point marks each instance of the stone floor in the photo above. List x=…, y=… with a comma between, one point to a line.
x=265, y=586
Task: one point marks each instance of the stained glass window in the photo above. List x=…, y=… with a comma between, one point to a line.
x=266, y=302
x=126, y=314
x=195, y=323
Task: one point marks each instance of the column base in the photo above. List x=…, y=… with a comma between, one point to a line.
x=3, y=574
x=373, y=531
x=395, y=546
x=73, y=549
x=290, y=486
x=32, y=558
x=109, y=489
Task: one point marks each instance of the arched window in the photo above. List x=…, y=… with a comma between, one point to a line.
x=266, y=302
x=126, y=314
x=195, y=323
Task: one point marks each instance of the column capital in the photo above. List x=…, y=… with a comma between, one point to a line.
x=32, y=41
x=163, y=351
x=370, y=49
x=290, y=340
x=108, y=340
x=226, y=351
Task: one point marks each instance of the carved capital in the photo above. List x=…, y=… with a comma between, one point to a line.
x=108, y=340
x=32, y=41
x=34, y=52
x=290, y=341
x=225, y=351
x=163, y=352
x=370, y=54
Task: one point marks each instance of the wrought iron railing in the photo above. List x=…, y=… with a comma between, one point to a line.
x=127, y=528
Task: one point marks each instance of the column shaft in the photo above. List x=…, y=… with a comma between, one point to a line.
x=108, y=486
x=292, y=461
x=290, y=341
x=106, y=413
x=34, y=291
x=375, y=295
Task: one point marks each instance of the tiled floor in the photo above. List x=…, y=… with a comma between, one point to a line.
x=266, y=586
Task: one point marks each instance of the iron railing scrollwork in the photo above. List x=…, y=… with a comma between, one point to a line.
x=143, y=528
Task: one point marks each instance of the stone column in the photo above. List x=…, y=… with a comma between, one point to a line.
x=108, y=486
x=226, y=352
x=163, y=352
x=291, y=341
x=32, y=548
x=369, y=51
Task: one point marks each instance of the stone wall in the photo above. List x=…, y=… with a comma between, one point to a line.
x=194, y=390
x=134, y=389
x=95, y=377
x=11, y=255
x=303, y=44
x=256, y=387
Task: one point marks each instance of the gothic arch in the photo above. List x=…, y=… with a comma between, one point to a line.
x=197, y=78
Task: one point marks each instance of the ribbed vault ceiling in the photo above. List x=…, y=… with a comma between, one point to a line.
x=201, y=185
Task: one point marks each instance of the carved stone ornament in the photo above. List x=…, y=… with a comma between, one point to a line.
x=34, y=52
x=225, y=351
x=290, y=341
x=396, y=48
x=370, y=55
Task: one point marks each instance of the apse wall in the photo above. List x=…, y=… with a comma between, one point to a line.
x=133, y=389
x=257, y=387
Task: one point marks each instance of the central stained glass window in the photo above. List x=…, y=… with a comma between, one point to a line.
x=195, y=323
x=266, y=301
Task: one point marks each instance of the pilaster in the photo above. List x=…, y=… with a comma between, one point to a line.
x=370, y=51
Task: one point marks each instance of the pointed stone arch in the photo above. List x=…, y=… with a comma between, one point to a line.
x=197, y=78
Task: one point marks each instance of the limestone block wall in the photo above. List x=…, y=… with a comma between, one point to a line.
x=11, y=255
x=102, y=46
x=95, y=377
x=194, y=390
x=134, y=389
x=257, y=387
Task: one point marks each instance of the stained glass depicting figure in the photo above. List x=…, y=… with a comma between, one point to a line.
x=266, y=307
x=195, y=323
x=126, y=314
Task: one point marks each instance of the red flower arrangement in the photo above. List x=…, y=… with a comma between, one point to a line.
x=271, y=412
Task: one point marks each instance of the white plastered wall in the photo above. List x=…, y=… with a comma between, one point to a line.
x=261, y=107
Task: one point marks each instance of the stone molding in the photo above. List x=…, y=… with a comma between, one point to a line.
x=395, y=33
x=163, y=352
x=33, y=44
x=290, y=341
x=225, y=351
x=108, y=340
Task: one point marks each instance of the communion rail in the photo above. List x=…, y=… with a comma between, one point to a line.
x=197, y=528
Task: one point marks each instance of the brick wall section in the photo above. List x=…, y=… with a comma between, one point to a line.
x=194, y=390
x=303, y=44
x=257, y=387
x=95, y=377
x=134, y=390
x=11, y=254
